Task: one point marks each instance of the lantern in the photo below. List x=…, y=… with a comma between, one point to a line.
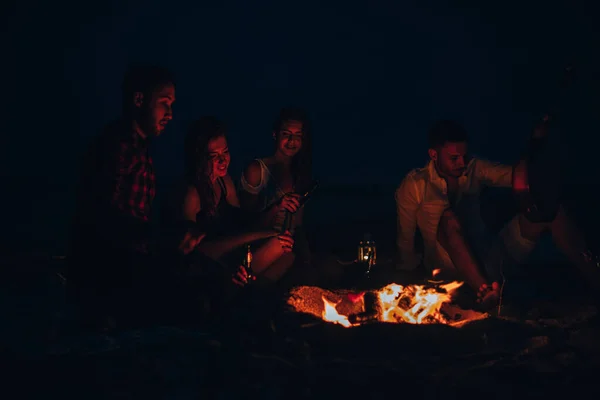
x=367, y=251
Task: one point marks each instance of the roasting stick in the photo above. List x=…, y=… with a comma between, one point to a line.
x=501, y=287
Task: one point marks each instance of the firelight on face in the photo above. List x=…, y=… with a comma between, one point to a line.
x=289, y=138
x=218, y=156
x=451, y=159
x=160, y=109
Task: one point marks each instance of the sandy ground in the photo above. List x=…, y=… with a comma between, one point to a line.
x=544, y=343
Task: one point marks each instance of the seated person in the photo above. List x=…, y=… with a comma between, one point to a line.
x=110, y=260
x=114, y=276
x=272, y=185
x=207, y=200
x=442, y=200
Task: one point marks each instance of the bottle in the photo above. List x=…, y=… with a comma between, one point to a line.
x=288, y=222
x=248, y=263
x=361, y=252
x=369, y=253
x=306, y=196
x=288, y=219
x=373, y=255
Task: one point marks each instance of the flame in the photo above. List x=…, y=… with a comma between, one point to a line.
x=330, y=314
x=413, y=304
x=394, y=303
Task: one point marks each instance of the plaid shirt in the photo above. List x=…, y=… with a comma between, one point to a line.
x=134, y=181
x=117, y=188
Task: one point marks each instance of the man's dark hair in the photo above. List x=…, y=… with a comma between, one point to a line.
x=445, y=131
x=145, y=79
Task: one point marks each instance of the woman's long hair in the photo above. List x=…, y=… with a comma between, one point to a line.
x=301, y=166
x=197, y=165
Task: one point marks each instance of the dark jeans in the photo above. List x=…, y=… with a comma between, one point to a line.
x=111, y=282
x=136, y=289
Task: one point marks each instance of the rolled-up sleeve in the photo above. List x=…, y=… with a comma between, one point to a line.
x=493, y=174
x=407, y=205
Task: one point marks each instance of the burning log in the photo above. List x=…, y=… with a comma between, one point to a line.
x=413, y=304
x=371, y=312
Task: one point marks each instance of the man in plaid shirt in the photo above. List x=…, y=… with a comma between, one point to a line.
x=113, y=237
x=118, y=188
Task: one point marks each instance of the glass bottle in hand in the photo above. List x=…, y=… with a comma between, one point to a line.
x=248, y=264
x=307, y=195
x=288, y=221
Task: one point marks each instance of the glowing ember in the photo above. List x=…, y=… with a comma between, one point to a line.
x=413, y=304
x=330, y=314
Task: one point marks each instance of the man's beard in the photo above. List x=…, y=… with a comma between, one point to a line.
x=147, y=124
x=447, y=173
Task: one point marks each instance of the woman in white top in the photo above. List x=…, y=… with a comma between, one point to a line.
x=271, y=186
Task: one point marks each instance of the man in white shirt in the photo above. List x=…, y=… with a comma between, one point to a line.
x=442, y=200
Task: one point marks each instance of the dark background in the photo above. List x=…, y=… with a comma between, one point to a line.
x=374, y=75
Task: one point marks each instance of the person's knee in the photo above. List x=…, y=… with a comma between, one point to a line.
x=516, y=240
x=528, y=230
x=448, y=227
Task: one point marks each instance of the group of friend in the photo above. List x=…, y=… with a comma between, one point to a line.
x=120, y=263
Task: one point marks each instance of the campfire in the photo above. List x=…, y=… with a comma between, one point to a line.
x=394, y=303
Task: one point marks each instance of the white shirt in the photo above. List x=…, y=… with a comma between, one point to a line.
x=421, y=199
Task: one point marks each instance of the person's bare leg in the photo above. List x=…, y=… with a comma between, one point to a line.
x=569, y=239
x=266, y=254
x=519, y=237
x=531, y=230
x=450, y=236
x=274, y=272
x=271, y=260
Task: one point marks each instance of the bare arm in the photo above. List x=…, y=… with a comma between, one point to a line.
x=406, y=208
x=493, y=174
x=232, y=196
x=249, y=196
x=499, y=175
x=216, y=248
x=191, y=204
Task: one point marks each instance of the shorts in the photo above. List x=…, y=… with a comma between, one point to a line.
x=498, y=253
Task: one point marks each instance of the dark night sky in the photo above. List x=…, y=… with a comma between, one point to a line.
x=373, y=75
